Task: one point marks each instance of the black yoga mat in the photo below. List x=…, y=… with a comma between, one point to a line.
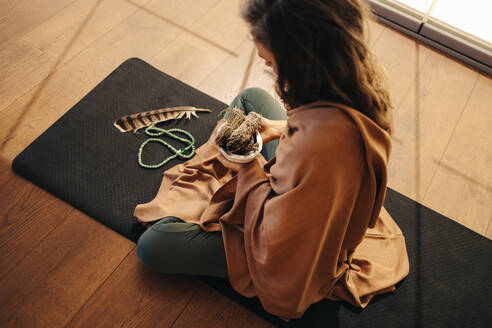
x=87, y=162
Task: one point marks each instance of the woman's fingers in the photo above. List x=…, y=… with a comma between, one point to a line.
x=265, y=123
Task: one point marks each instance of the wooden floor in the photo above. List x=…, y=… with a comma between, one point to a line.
x=58, y=267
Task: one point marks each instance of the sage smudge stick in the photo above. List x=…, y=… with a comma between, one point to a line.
x=238, y=134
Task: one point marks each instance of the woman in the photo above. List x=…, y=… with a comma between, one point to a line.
x=309, y=223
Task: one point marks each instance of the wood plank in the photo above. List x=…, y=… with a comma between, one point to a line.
x=78, y=25
x=23, y=67
x=224, y=86
x=51, y=284
x=142, y=35
x=397, y=54
x=209, y=308
x=180, y=13
x=28, y=214
x=374, y=31
x=134, y=296
x=7, y=8
x=35, y=111
x=424, y=123
x=61, y=90
x=201, y=48
x=62, y=36
x=462, y=186
x=20, y=16
x=488, y=234
x=5, y=174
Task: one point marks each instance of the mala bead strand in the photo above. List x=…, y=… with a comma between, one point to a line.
x=153, y=131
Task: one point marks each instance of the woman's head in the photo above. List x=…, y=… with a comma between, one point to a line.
x=319, y=53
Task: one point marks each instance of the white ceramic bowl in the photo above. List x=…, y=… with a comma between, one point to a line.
x=242, y=158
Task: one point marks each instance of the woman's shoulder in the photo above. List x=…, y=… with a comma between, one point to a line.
x=323, y=141
x=324, y=122
x=325, y=112
x=338, y=130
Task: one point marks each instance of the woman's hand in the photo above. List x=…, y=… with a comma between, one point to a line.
x=270, y=129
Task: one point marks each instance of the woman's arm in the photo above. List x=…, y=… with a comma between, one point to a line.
x=294, y=222
x=271, y=129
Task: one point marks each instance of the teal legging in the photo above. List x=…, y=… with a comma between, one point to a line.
x=176, y=247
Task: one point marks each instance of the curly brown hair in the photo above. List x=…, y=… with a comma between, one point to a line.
x=321, y=53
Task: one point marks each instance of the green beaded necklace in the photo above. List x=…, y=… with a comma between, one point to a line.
x=153, y=131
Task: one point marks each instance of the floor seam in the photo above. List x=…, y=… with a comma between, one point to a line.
x=100, y=286
x=450, y=138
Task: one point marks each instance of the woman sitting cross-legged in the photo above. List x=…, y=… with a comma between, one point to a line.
x=303, y=221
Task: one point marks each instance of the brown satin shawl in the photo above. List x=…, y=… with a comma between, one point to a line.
x=305, y=226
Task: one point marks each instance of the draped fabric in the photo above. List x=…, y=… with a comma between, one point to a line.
x=305, y=226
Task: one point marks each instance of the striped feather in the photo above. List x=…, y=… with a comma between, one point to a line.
x=142, y=120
